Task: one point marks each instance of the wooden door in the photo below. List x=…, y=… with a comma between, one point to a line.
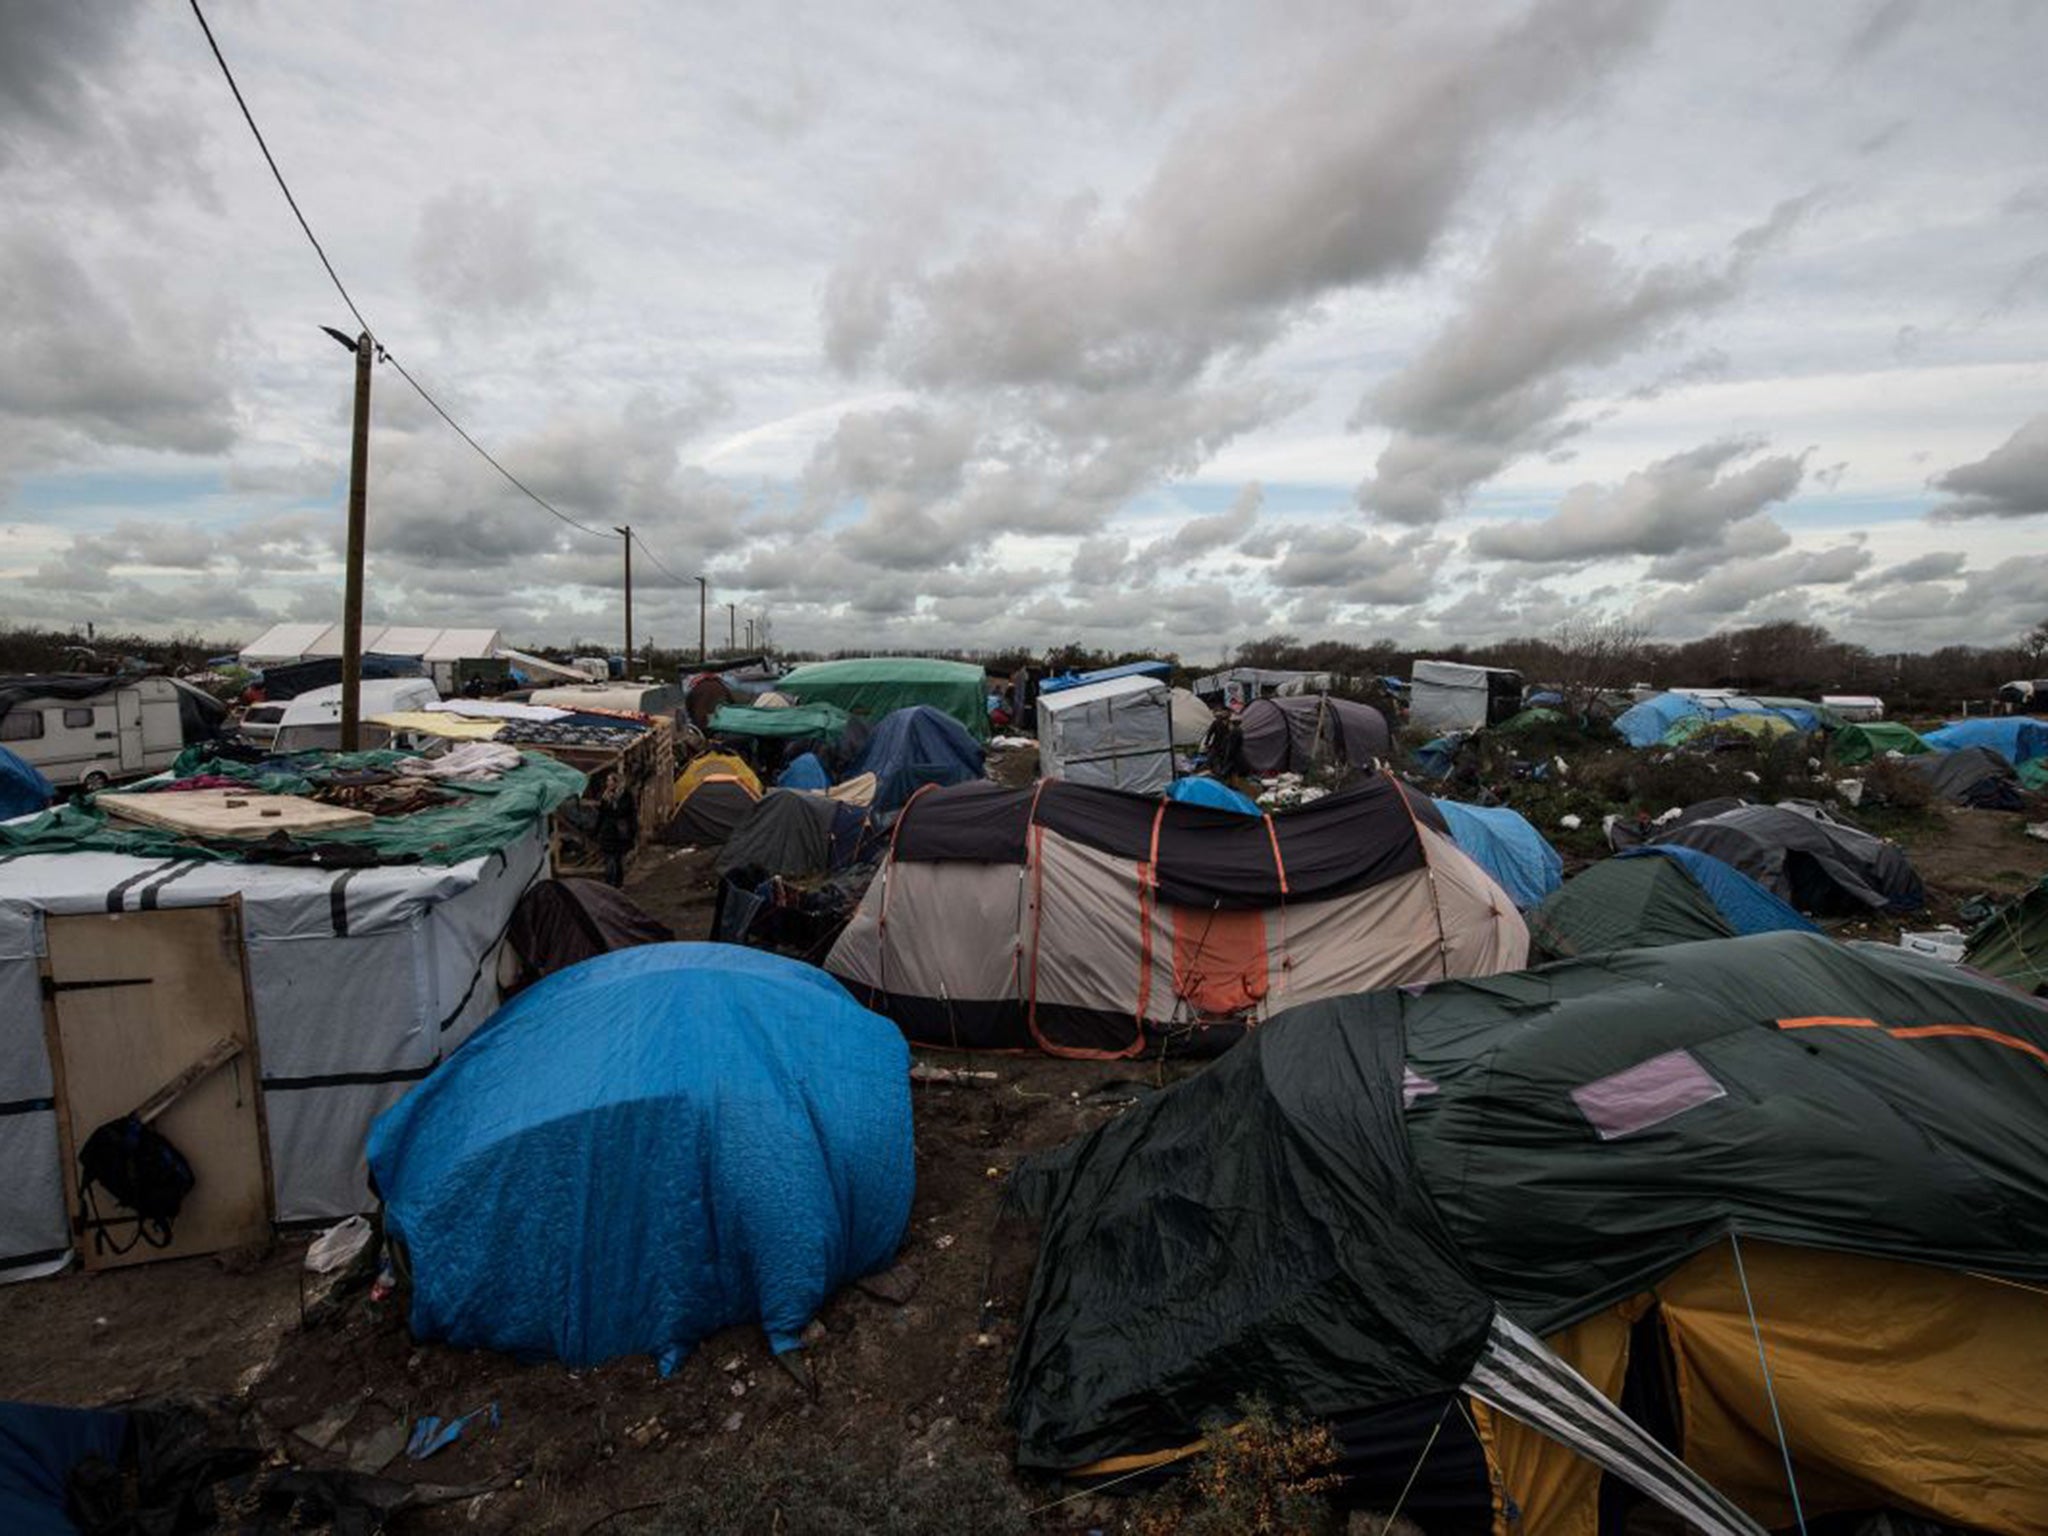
x=141, y=1007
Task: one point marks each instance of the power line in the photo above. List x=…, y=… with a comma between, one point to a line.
x=339, y=287
x=658, y=562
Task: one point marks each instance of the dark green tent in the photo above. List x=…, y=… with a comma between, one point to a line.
x=1382, y=1197
x=2012, y=944
x=1625, y=904
x=1855, y=744
x=1644, y=897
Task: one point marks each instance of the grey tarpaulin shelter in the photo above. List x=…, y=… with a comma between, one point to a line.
x=1451, y=696
x=359, y=982
x=1116, y=734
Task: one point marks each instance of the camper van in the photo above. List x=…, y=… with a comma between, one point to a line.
x=312, y=721
x=94, y=731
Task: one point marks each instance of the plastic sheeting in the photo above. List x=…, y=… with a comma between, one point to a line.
x=805, y=771
x=2016, y=738
x=1115, y=735
x=1201, y=790
x=1644, y=724
x=913, y=747
x=649, y=1147
x=1747, y=906
x=23, y=790
x=1503, y=843
x=874, y=686
x=361, y=980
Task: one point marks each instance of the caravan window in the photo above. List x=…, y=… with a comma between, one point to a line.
x=21, y=725
x=77, y=719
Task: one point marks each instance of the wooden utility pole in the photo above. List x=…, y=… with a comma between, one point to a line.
x=626, y=537
x=703, y=593
x=352, y=582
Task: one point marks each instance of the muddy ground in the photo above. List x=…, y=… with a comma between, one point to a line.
x=908, y=1381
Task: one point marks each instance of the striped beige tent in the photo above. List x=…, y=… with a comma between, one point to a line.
x=1086, y=922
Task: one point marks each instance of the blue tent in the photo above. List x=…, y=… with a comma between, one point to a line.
x=1747, y=906
x=1202, y=790
x=2014, y=737
x=23, y=790
x=1436, y=757
x=645, y=1148
x=1644, y=724
x=913, y=747
x=1501, y=842
x=805, y=771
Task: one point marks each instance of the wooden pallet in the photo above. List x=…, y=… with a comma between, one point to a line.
x=230, y=813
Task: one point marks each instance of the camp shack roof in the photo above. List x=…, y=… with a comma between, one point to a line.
x=298, y=642
x=1095, y=693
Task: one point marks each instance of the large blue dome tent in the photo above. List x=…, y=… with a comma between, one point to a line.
x=645, y=1148
x=915, y=746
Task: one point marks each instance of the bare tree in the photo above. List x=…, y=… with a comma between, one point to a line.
x=1596, y=656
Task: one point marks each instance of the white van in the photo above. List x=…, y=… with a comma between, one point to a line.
x=129, y=728
x=312, y=721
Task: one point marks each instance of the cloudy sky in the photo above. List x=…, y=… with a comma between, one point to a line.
x=1138, y=325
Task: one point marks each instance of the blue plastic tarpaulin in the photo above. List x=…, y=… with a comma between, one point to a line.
x=645, y=1148
x=1748, y=907
x=1503, y=843
x=1644, y=724
x=2014, y=737
x=913, y=747
x=805, y=771
x=38, y=1448
x=1201, y=790
x=23, y=789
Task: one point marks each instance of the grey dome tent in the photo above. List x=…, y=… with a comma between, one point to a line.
x=1296, y=735
x=1378, y=1203
x=1808, y=859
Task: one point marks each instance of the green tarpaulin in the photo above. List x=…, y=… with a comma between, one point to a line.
x=1529, y=719
x=872, y=686
x=1329, y=1215
x=2012, y=944
x=479, y=819
x=1855, y=744
x=1625, y=904
x=800, y=722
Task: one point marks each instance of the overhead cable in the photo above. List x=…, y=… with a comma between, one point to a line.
x=339, y=287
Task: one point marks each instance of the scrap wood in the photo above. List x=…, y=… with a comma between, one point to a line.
x=230, y=813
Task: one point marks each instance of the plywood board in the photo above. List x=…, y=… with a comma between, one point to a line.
x=230, y=813
x=136, y=999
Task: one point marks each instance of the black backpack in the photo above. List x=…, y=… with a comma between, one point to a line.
x=140, y=1169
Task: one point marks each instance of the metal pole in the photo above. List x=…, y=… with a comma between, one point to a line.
x=626, y=537
x=732, y=629
x=703, y=592
x=352, y=582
